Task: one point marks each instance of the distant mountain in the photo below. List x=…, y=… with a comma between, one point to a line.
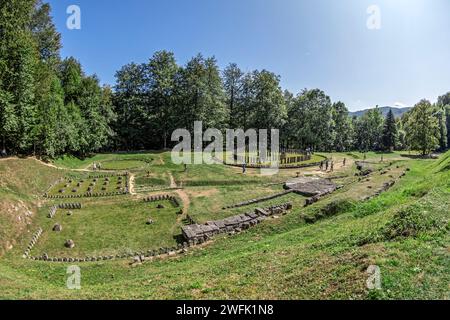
x=398, y=112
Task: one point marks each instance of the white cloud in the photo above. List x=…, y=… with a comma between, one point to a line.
x=400, y=105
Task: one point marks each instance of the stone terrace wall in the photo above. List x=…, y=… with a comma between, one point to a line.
x=198, y=232
x=262, y=199
x=161, y=197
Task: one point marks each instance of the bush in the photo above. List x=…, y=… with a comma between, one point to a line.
x=331, y=209
x=409, y=222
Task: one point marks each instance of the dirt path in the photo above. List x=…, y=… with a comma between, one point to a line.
x=132, y=191
x=51, y=165
x=338, y=166
x=181, y=193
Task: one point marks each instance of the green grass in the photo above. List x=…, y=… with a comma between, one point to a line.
x=108, y=227
x=122, y=164
x=404, y=231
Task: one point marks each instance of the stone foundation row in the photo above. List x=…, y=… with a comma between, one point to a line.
x=32, y=243
x=64, y=206
x=107, y=176
x=386, y=186
x=70, y=206
x=88, y=195
x=257, y=200
x=163, y=197
x=52, y=212
x=181, y=247
x=196, y=232
x=317, y=197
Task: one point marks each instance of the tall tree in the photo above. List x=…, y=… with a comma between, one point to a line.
x=162, y=70
x=233, y=84
x=44, y=32
x=200, y=94
x=422, y=128
x=50, y=128
x=268, y=110
x=444, y=103
x=342, y=127
x=312, y=116
x=443, y=130
x=368, y=130
x=18, y=59
x=389, y=132
x=130, y=101
x=8, y=120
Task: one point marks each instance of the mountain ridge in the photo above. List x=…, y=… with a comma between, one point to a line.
x=398, y=112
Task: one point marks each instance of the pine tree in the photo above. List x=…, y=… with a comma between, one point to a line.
x=389, y=132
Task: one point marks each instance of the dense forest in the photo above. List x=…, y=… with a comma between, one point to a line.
x=50, y=107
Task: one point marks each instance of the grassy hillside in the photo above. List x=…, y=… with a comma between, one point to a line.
x=318, y=252
x=21, y=183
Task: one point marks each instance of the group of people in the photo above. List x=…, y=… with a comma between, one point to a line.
x=96, y=166
x=329, y=164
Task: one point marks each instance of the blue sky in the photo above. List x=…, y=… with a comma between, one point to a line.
x=311, y=44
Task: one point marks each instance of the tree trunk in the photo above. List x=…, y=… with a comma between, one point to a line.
x=165, y=139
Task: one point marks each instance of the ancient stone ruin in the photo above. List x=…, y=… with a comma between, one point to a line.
x=262, y=199
x=311, y=186
x=52, y=212
x=364, y=168
x=195, y=233
x=33, y=242
x=70, y=206
x=161, y=197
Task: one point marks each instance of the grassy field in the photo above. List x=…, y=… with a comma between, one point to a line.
x=318, y=252
x=108, y=228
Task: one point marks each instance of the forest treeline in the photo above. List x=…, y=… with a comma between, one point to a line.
x=50, y=107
